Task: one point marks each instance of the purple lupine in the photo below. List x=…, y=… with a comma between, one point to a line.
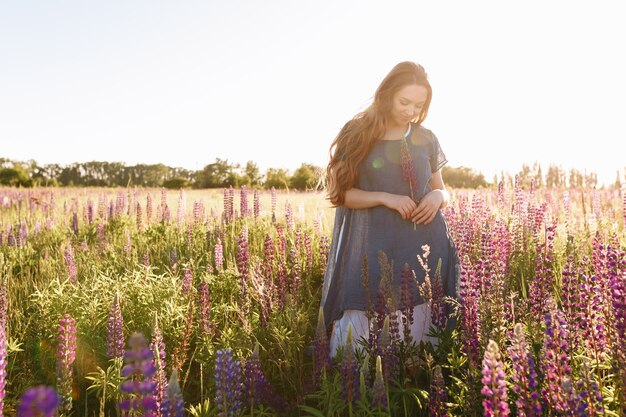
x=90, y=211
x=157, y=347
x=204, y=299
x=138, y=386
x=438, y=397
x=406, y=301
x=163, y=202
x=218, y=255
x=321, y=346
x=408, y=169
x=273, y=196
x=228, y=384
x=269, y=252
x=243, y=201
x=115, y=330
x=180, y=213
x=75, y=223
x=139, y=217
x=11, y=241
x=70, y=263
x=555, y=362
x=149, y=208
x=324, y=249
x=494, y=383
x=173, y=259
x=617, y=289
x=127, y=243
x=257, y=388
x=243, y=259
x=173, y=406
x=289, y=220
x=256, y=204
x=3, y=346
x=187, y=281
x=379, y=390
x=470, y=332
x=228, y=204
x=438, y=306
x=308, y=252
x=349, y=370
x=66, y=354
x=39, y=401
x=524, y=376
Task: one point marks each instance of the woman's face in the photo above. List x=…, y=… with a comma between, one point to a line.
x=407, y=104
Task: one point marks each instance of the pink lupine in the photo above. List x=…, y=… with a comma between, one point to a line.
x=66, y=354
x=256, y=204
x=524, y=377
x=149, y=208
x=157, y=347
x=70, y=264
x=115, y=330
x=218, y=255
x=243, y=201
x=494, y=384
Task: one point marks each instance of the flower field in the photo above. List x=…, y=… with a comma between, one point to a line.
x=118, y=302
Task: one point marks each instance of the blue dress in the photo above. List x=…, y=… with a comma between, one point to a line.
x=359, y=233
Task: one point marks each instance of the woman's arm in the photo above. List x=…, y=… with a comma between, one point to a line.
x=356, y=198
x=433, y=201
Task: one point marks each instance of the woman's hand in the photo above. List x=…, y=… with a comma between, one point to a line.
x=403, y=204
x=428, y=207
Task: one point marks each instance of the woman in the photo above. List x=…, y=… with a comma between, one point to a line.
x=385, y=182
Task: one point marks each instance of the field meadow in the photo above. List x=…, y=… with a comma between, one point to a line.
x=157, y=302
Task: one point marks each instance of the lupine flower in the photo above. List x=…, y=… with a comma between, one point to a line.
x=39, y=401
x=273, y=196
x=66, y=354
x=149, y=208
x=243, y=201
x=139, y=217
x=323, y=252
x=256, y=204
x=163, y=200
x=408, y=169
x=3, y=346
x=437, y=404
x=257, y=388
x=321, y=346
x=218, y=255
x=438, y=306
x=406, y=300
x=268, y=257
x=555, y=361
x=180, y=214
x=379, y=390
x=173, y=406
x=127, y=245
x=494, y=384
x=157, y=347
x=90, y=211
x=227, y=384
x=228, y=204
x=180, y=353
x=115, y=330
x=524, y=377
x=243, y=258
x=139, y=386
x=71, y=265
x=289, y=216
x=349, y=369
x=204, y=295
x=75, y=223
x=187, y=281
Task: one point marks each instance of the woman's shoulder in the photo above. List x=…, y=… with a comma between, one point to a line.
x=422, y=134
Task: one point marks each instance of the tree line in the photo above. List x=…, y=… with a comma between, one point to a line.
x=222, y=173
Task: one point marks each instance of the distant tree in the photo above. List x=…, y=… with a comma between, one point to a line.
x=307, y=177
x=176, y=183
x=15, y=176
x=218, y=174
x=252, y=176
x=277, y=178
x=555, y=177
x=462, y=177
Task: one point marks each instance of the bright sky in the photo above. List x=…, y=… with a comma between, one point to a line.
x=183, y=83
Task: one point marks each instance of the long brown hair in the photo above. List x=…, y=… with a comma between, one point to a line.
x=356, y=138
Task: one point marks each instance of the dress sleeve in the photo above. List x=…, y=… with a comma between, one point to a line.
x=437, y=157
